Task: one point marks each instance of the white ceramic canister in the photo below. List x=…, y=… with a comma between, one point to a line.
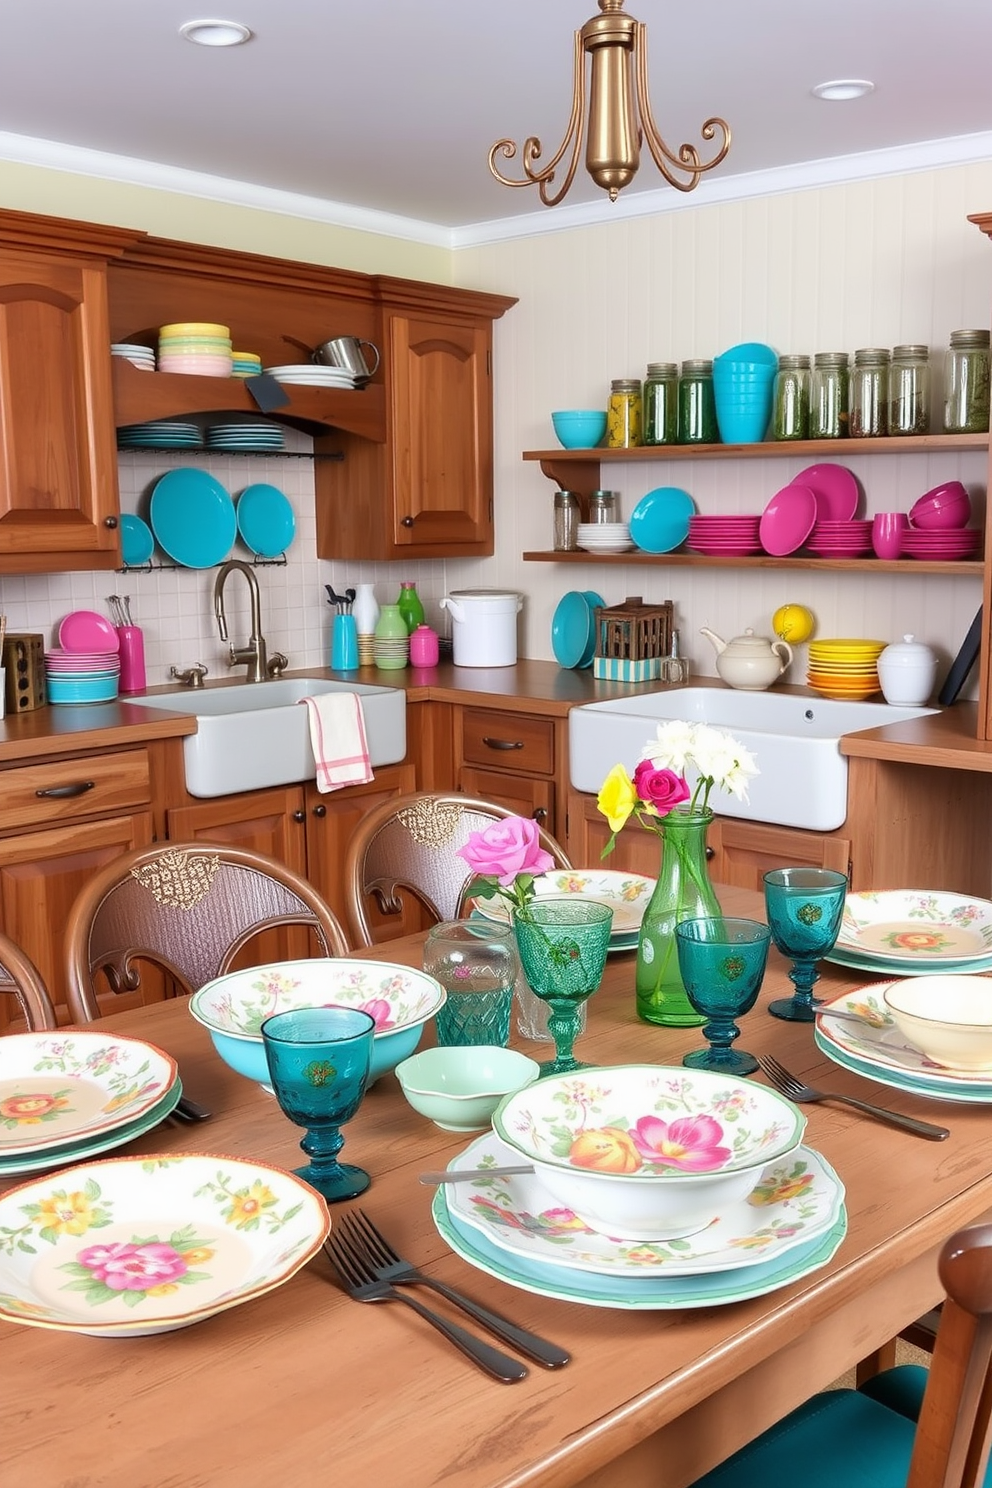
x=907, y=672
x=483, y=626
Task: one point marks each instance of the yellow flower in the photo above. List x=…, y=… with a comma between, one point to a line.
x=198, y=1255
x=162, y=1290
x=248, y=1205
x=617, y=797
x=66, y=1214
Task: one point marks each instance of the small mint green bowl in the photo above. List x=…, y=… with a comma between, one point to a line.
x=459, y=1088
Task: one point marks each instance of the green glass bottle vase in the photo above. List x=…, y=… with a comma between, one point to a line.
x=683, y=892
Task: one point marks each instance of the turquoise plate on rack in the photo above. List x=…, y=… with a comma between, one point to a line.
x=137, y=542
x=573, y=628
x=265, y=520
x=660, y=520
x=594, y=601
x=192, y=517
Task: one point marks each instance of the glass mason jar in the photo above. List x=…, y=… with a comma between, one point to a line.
x=909, y=390
x=869, y=393
x=568, y=514
x=966, y=393
x=790, y=399
x=624, y=414
x=476, y=963
x=604, y=506
x=697, y=404
x=661, y=403
x=828, y=397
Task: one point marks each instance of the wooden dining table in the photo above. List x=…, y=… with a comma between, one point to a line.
x=305, y=1386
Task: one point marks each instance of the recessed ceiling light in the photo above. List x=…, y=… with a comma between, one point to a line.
x=842, y=90
x=215, y=33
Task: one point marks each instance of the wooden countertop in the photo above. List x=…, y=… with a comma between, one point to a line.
x=68, y=729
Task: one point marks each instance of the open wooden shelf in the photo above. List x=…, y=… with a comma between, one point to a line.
x=958, y=568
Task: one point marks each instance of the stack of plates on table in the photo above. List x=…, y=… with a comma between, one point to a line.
x=951, y=542
x=573, y=627
x=160, y=434
x=141, y=356
x=835, y=489
x=309, y=374
x=67, y=1095
x=627, y=894
x=604, y=537
x=914, y=932
x=874, y=1047
x=727, y=537
x=245, y=364
x=840, y=539
x=789, y=1225
x=197, y=348
x=845, y=669
x=154, y=1244
x=660, y=521
x=255, y=437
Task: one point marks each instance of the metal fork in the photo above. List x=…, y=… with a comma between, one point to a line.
x=359, y=1281
x=388, y=1265
x=787, y=1084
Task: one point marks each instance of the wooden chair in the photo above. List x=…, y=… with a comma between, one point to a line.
x=906, y=1428
x=187, y=908
x=21, y=979
x=408, y=844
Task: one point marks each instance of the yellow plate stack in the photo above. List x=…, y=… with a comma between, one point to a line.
x=845, y=669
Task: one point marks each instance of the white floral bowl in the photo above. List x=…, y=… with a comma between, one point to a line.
x=233, y=1008
x=948, y=1017
x=647, y=1152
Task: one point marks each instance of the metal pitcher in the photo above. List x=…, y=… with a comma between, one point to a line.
x=345, y=352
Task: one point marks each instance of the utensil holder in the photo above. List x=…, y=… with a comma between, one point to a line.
x=132, y=656
x=344, y=644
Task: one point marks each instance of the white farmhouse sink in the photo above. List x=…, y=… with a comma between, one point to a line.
x=257, y=735
x=794, y=740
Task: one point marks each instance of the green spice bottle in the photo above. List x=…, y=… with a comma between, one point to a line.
x=661, y=403
x=410, y=607
x=909, y=390
x=790, y=402
x=966, y=397
x=697, y=404
x=870, y=393
x=828, y=397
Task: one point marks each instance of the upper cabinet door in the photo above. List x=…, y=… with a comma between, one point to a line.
x=58, y=454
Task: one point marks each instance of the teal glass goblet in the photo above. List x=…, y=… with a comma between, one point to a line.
x=318, y=1062
x=722, y=965
x=805, y=907
x=563, y=945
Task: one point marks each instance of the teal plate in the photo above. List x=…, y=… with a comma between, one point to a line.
x=137, y=542
x=647, y=1293
x=660, y=520
x=893, y=968
x=930, y=1087
x=81, y=1148
x=573, y=628
x=192, y=517
x=594, y=601
x=265, y=520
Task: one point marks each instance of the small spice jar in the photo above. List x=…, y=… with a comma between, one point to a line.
x=869, y=393
x=604, y=506
x=790, y=400
x=966, y=396
x=624, y=415
x=697, y=403
x=828, y=396
x=567, y=515
x=909, y=390
x=661, y=403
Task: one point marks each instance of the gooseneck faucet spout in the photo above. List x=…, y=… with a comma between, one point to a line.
x=254, y=654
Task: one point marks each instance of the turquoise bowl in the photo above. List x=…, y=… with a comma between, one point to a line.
x=459, y=1088
x=579, y=428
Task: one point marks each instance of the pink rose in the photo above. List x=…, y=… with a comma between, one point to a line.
x=506, y=848
x=661, y=789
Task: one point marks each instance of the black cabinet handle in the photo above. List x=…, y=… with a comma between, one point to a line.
x=710, y=853
x=540, y=815
x=299, y=816
x=320, y=811
x=502, y=743
x=65, y=792
x=110, y=521
x=406, y=521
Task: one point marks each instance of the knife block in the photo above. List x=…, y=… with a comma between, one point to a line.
x=24, y=665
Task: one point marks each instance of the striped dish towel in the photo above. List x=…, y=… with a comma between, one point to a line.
x=337, y=738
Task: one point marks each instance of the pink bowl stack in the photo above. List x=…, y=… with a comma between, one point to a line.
x=727, y=537
x=197, y=348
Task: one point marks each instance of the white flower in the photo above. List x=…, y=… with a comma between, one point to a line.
x=718, y=759
x=673, y=749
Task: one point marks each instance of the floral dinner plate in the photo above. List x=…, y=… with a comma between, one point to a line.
x=877, y=1041
x=928, y=1087
x=915, y=925
x=627, y=894
x=131, y=1246
x=793, y=1201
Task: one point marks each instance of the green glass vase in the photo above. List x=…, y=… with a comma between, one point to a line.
x=683, y=892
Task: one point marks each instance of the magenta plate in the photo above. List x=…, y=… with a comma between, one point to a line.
x=835, y=489
x=788, y=520
x=85, y=630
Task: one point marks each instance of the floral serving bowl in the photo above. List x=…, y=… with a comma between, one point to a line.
x=948, y=1017
x=648, y=1152
x=233, y=1008
x=459, y=1088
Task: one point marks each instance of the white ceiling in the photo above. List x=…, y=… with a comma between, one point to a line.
x=392, y=105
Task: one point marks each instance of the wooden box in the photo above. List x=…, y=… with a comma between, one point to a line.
x=632, y=640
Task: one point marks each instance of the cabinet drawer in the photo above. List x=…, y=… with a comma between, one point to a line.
x=64, y=790
x=508, y=741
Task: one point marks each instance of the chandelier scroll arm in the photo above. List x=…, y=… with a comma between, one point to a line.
x=687, y=158
x=542, y=178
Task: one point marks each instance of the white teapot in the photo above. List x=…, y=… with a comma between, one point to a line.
x=749, y=662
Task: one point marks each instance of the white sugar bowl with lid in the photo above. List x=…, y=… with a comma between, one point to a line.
x=907, y=671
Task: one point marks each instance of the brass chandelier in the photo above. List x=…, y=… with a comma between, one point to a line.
x=619, y=117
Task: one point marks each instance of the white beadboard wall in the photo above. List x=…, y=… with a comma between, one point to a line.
x=872, y=263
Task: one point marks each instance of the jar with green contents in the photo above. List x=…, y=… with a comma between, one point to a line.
x=661, y=403
x=697, y=404
x=870, y=393
x=966, y=397
x=624, y=415
x=828, y=396
x=909, y=390
x=790, y=403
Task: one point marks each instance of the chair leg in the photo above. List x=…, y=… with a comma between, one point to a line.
x=923, y=1333
x=874, y=1363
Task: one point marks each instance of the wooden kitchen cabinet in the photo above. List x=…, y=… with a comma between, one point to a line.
x=513, y=759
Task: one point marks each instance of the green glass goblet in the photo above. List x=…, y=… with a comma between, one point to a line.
x=319, y=1061
x=722, y=965
x=805, y=907
x=563, y=945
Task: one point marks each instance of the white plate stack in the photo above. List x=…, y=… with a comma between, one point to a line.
x=605, y=537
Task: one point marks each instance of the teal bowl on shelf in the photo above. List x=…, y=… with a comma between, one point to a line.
x=579, y=428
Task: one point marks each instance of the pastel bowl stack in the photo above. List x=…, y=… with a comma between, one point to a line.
x=846, y=669
x=197, y=348
x=743, y=383
x=142, y=357
x=245, y=364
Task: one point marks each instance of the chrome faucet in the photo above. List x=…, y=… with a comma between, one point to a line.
x=254, y=654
